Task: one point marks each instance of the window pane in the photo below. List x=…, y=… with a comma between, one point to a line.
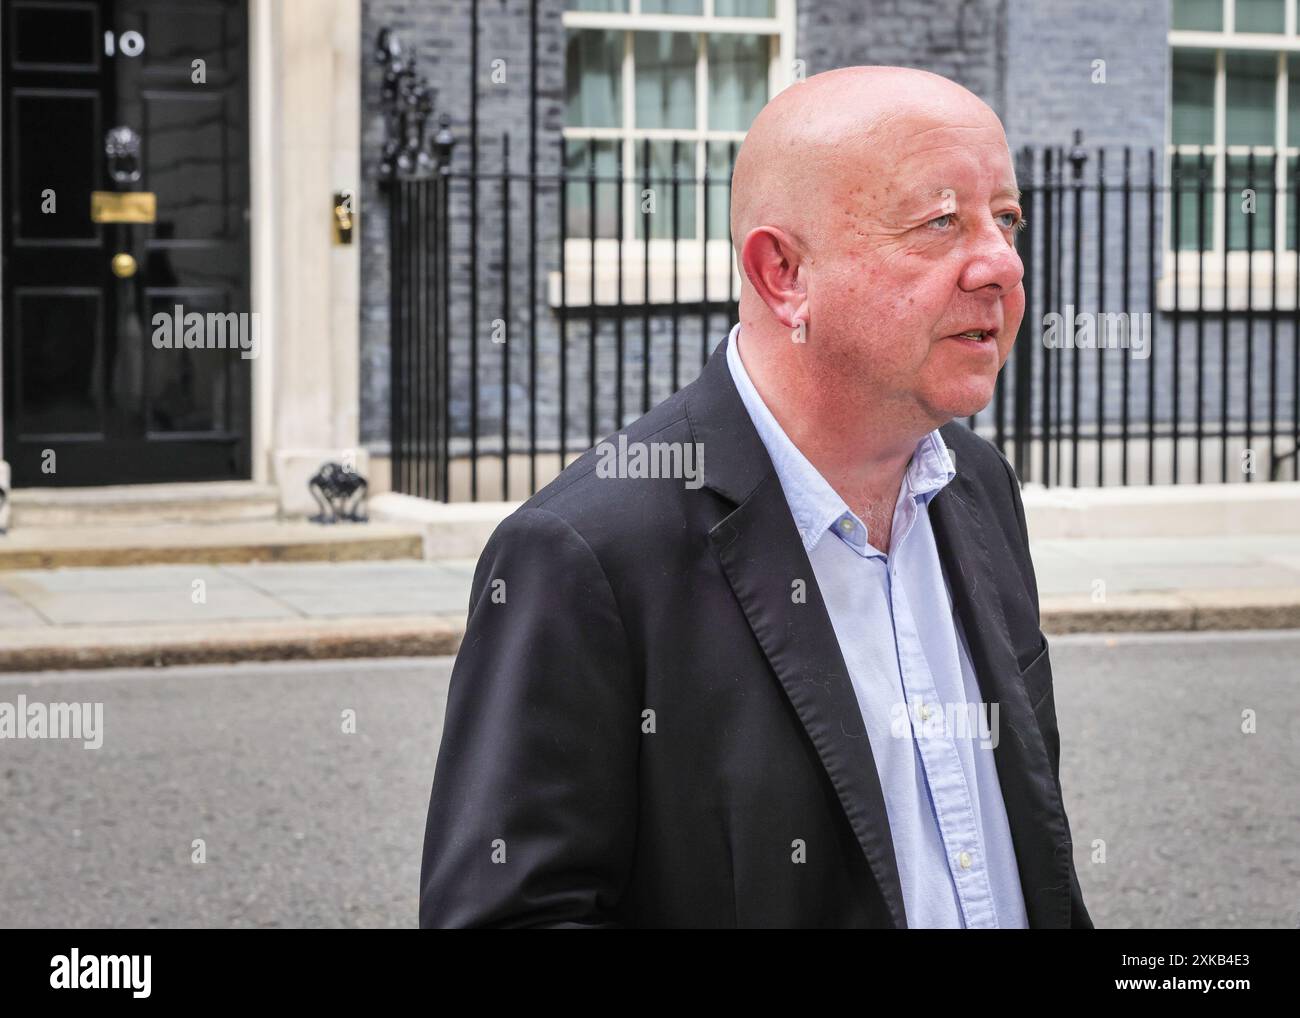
x=737, y=80
x=618, y=6
x=593, y=83
x=1239, y=221
x=665, y=79
x=1183, y=229
x=1199, y=15
x=672, y=6
x=744, y=8
x=578, y=170
x=1252, y=94
x=661, y=184
x=1193, y=87
x=721, y=157
x=1261, y=16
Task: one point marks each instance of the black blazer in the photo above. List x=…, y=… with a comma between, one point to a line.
x=645, y=728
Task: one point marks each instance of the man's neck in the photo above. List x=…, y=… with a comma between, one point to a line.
x=861, y=450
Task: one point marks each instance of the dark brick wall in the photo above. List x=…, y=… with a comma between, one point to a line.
x=961, y=39
x=1050, y=91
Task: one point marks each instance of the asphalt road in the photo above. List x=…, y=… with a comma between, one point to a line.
x=303, y=824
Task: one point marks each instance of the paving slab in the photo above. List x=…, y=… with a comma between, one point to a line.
x=141, y=614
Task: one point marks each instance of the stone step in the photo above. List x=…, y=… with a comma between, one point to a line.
x=252, y=541
x=142, y=504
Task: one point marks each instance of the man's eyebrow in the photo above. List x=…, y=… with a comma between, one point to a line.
x=921, y=196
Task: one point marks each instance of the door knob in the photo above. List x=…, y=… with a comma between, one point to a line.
x=123, y=265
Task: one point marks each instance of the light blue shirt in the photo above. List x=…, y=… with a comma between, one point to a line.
x=931, y=737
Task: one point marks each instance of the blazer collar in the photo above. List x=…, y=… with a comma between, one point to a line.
x=718, y=418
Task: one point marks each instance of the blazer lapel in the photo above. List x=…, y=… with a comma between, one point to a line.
x=761, y=554
x=1034, y=810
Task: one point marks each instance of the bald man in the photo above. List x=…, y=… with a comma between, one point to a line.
x=771, y=655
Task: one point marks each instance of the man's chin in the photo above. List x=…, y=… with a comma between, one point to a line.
x=963, y=401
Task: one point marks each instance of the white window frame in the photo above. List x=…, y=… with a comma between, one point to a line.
x=1259, y=274
x=690, y=251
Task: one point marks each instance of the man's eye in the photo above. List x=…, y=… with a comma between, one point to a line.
x=1014, y=218
x=942, y=221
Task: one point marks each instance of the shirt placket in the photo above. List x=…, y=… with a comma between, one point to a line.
x=940, y=760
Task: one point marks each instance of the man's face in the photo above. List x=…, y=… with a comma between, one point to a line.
x=923, y=249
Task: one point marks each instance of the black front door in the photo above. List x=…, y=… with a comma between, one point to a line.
x=128, y=342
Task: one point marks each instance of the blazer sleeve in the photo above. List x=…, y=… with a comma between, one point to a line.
x=532, y=816
x=1079, y=918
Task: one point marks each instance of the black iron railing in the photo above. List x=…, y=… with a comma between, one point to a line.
x=1205, y=248
x=414, y=174
x=1204, y=391
x=533, y=312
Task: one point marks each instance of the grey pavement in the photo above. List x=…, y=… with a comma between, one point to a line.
x=1160, y=564
x=186, y=594
x=181, y=614
x=306, y=825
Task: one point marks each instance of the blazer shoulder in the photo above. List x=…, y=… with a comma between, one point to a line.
x=594, y=487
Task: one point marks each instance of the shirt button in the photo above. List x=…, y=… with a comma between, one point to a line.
x=964, y=859
x=925, y=713
x=846, y=525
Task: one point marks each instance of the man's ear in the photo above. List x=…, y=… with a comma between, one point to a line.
x=773, y=264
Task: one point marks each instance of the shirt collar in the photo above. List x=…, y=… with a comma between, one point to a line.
x=814, y=504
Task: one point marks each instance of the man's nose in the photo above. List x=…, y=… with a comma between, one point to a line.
x=994, y=261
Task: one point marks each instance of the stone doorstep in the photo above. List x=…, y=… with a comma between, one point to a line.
x=269, y=541
x=143, y=504
x=73, y=647
x=451, y=530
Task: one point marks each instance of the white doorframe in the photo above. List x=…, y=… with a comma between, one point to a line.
x=305, y=145
x=262, y=46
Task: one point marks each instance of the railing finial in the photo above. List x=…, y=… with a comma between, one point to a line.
x=408, y=102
